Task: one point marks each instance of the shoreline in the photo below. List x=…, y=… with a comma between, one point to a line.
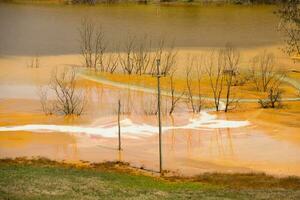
x=46, y=179
x=127, y=167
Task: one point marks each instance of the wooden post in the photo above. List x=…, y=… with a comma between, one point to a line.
x=119, y=126
x=159, y=116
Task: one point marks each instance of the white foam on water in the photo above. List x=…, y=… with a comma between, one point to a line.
x=130, y=129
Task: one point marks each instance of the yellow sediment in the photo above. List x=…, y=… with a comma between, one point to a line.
x=245, y=91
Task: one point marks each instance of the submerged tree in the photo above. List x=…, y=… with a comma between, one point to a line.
x=273, y=99
x=92, y=44
x=215, y=65
x=267, y=78
x=142, y=56
x=126, y=59
x=67, y=99
x=193, y=76
x=111, y=63
x=175, y=98
x=189, y=84
x=263, y=71
x=167, y=57
x=199, y=73
x=232, y=58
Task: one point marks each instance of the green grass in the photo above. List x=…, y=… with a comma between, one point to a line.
x=44, y=179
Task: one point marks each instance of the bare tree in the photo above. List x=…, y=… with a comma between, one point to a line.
x=214, y=67
x=142, y=56
x=92, y=44
x=263, y=71
x=48, y=106
x=193, y=76
x=126, y=60
x=111, y=63
x=199, y=78
x=157, y=56
x=189, y=84
x=167, y=57
x=67, y=98
x=232, y=57
x=289, y=13
x=274, y=95
x=174, y=98
x=169, y=60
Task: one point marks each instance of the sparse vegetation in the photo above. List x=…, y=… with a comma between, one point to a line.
x=214, y=71
x=66, y=98
x=188, y=78
x=44, y=179
x=273, y=100
x=193, y=83
x=274, y=92
x=232, y=57
x=92, y=45
x=264, y=72
x=174, y=99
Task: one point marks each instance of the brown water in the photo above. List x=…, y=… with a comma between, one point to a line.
x=53, y=30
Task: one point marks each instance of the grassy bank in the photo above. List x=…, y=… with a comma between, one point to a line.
x=44, y=179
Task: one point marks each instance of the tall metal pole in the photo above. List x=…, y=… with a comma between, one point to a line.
x=119, y=126
x=159, y=115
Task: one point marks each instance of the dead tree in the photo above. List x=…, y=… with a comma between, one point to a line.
x=214, y=70
x=199, y=78
x=126, y=60
x=275, y=97
x=48, y=106
x=193, y=76
x=274, y=94
x=169, y=60
x=142, y=56
x=167, y=57
x=92, y=44
x=289, y=13
x=111, y=63
x=263, y=71
x=232, y=58
x=174, y=98
x=67, y=99
x=189, y=84
x=157, y=56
